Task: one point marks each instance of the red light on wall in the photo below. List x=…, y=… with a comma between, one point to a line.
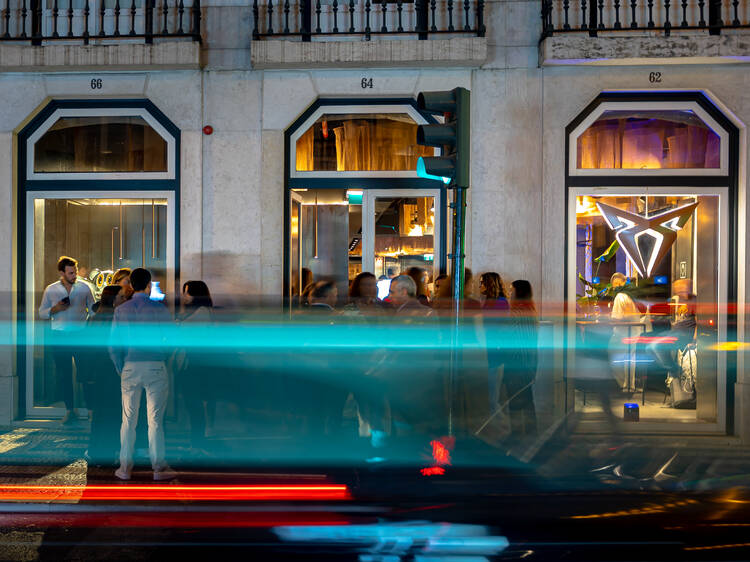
x=208, y=129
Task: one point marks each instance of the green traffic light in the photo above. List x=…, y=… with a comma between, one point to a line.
x=423, y=173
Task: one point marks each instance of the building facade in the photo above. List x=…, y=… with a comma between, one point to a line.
x=243, y=143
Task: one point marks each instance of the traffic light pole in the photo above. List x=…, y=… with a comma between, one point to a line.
x=457, y=256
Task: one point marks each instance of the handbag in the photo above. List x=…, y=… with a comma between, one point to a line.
x=682, y=387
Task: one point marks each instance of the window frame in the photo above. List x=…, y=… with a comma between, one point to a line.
x=100, y=112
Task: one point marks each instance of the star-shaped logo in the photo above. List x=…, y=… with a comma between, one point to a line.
x=646, y=240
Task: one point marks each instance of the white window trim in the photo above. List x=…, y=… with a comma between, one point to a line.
x=368, y=223
x=31, y=312
x=723, y=169
x=343, y=110
x=101, y=112
x=721, y=375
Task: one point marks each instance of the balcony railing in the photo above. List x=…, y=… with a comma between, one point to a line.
x=40, y=21
x=307, y=19
x=596, y=16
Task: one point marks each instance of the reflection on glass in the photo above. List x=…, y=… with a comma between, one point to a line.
x=360, y=142
x=329, y=236
x=100, y=144
x=404, y=234
x=639, y=332
x=648, y=140
x=103, y=235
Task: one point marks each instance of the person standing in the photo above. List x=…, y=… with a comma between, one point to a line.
x=624, y=315
x=522, y=360
x=193, y=364
x=137, y=350
x=66, y=304
x=101, y=384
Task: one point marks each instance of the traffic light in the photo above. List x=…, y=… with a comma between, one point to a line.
x=453, y=137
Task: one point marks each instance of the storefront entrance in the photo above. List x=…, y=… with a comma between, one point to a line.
x=651, y=256
x=104, y=231
x=97, y=182
x=355, y=203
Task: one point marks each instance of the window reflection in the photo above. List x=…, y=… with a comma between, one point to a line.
x=100, y=144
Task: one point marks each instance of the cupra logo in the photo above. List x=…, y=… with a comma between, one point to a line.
x=646, y=240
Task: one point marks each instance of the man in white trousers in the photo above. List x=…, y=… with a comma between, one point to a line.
x=137, y=350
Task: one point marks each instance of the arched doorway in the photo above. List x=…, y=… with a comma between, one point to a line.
x=651, y=182
x=97, y=180
x=353, y=201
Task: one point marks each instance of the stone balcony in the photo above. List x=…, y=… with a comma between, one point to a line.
x=126, y=36
x=380, y=34
x=640, y=32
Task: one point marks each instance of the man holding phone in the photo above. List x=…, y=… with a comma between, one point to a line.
x=67, y=304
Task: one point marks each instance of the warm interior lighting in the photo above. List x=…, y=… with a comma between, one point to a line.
x=416, y=230
x=586, y=207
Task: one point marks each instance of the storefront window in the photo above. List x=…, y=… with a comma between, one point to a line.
x=360, y=142
x=404, y=234
x=647, y=286
x=103, y=235
x=329, y=235
x=648, y=139
x=100, y=144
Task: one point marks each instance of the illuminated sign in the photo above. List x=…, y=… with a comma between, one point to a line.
x=646, y=240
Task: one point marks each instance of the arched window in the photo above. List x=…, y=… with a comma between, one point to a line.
x=93, y=143
x=358, y=141
x=100, y=144
x=363, y=142
x=627, y=138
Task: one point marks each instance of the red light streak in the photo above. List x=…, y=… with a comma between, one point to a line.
x=433, y=471
x=169, y=520
x=650, y=339
x=155, y=492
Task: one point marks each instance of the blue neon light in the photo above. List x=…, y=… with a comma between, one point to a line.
x=422, y=173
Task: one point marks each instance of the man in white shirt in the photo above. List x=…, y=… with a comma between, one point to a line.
x=66, y=304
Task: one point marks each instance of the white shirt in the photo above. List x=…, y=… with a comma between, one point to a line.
x=72, y=318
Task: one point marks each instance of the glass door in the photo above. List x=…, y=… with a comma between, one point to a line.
x=401, y=230
x=647, y=291
x=104, y=232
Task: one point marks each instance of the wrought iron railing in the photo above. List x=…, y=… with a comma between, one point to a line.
x=40, y=21
x=306, y=19
x=595, y=16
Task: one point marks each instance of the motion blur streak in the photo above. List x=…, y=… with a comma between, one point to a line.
x=738, y=545
x=653, y=508
x=189, y=520
x=31, y=493
x=420, y=539
x=433, y=471
x=650, y=339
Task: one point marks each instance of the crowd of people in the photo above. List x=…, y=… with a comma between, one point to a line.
x=139, y=352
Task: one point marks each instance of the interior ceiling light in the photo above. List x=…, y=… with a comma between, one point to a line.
x=631, y=228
